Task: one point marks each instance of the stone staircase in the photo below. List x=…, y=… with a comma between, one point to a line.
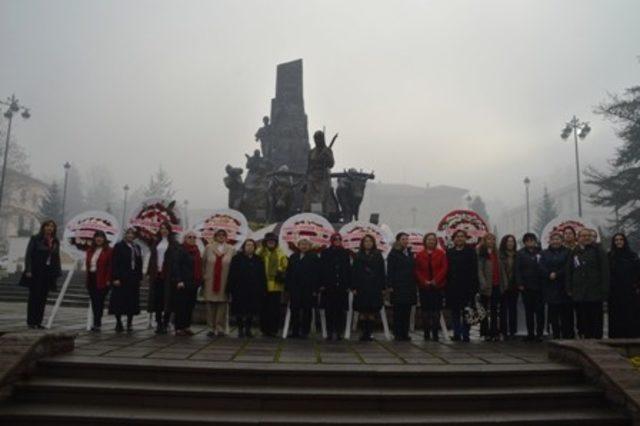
x=76, y=295
x=75, y=390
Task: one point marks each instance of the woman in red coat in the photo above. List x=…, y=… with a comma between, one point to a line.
x=98, y=264
x=430, y=271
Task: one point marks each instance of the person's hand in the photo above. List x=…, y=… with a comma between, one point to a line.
x=521, y=288
x=552, y=276
x=116, y=283
x=28, y=274
x=180, y=285
x=321, y=289
x=354, y=291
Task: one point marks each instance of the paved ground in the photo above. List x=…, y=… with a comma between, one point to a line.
x=143, y=343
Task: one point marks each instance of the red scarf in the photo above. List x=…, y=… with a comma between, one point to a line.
x=495, y=269
x=217, y=272
x=192, y=249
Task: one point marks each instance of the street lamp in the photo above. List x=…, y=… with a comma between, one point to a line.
x=579, y=129
x=414, y=211
x=66, y=166
x=186, y=214
x=527, y=181
x=124, y=206
x=13, y=108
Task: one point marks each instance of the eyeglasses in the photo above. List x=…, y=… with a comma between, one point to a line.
x=191, y=238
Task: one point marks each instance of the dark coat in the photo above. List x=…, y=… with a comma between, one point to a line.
x=335, y=277
x=369, y=281
x=177, y=267
x=44, y=264
x=624, y=302
x=528, y=272
x=303, y=280
x=247, y=284
x=125, y=298
x=401, y=278
x=587, y=274
x=553, y=291
x=462, y=277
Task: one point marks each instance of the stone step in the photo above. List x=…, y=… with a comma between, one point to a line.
x=304, y=397
x=410, y=376
x=26, y=414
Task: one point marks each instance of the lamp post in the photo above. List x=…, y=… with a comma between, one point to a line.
x=414, y=211
x=124, y=205
x=66, y=166
x=13, y=108
x=186, y=214
x=578, y=129
x=527, y=181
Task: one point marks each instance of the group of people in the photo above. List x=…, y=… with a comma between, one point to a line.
x=571, y=278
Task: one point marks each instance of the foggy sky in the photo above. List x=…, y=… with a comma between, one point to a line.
x=467, y=93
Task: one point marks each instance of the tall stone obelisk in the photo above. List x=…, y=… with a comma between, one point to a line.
x=290, y=135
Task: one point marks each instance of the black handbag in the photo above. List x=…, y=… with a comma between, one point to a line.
x=25, y=281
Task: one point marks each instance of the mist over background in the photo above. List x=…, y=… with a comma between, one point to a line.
x=463, y=93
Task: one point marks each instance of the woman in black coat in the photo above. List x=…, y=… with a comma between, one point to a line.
x=302, y=284
x=162, y=260
x=462, y=283
x=624, y=290
x=529, y=280
x=41, y=271
x=368, y=283
x=553, y=262
x=402, y=282
x=247, y=286
x=126, y=276
x=335, y=262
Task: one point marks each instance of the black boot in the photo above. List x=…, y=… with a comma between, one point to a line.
x=129, y=323
x=364, y=337
x=240, y=327
x=119, y=327
x=435, y=326
x=247, y=327
x=426, y=325
x=369, y=331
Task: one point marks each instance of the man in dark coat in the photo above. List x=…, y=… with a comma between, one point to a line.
x=553, y=263
x=462, y=283
x=335, y=285
x=587, y=281
x=402, y=282
x=302, y=284
x=126, y=277
x=529, y=280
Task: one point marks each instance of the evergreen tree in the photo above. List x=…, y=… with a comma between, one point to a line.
x=478, y=206
x=618, y=187
x=160, y=186
x=546, y=212
x=51, y=207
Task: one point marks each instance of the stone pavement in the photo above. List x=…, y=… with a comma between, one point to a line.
x=143, y=343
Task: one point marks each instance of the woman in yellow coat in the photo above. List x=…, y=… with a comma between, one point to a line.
x=215, y=262
x=275, y=265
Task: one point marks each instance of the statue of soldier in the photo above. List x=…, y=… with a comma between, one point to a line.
x=319, y=197
x=264, y=136
x=233, y=181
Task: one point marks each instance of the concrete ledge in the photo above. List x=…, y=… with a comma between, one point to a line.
x=19, y=353
x=606, y=363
